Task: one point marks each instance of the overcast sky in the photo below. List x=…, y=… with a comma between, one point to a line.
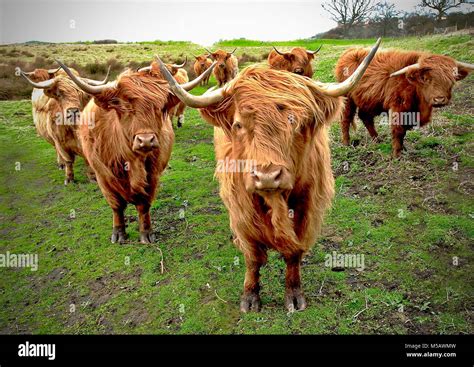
x=203, y=22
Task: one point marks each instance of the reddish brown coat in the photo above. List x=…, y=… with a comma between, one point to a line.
x=410, y=97
x=297, y=61
x=137, y=106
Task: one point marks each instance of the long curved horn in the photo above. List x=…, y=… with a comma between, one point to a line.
x=40, y=85
x=19, y=72
x=54, y=71
x=314, y=52
x=278, y=52
x=210, y=53
x=465, y=65
x=405, y=69
x=232, y=51
x=145, y=68
x=189, y=99
x=98, y=82
x=181, y=65
x=194, y=83
x=339, y=89
x=91, y=89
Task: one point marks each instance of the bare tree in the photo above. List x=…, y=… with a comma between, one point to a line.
x=349, y=12
x=441, y=6
x=385, y=14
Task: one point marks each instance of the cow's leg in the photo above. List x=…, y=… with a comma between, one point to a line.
x=68, y=159
x=294, y=298
x=60, y=160
x=118, y=231
x=368, y=120
x=144, y=220
x=398, y=134
x=180, y=113
x=254, y=259
x=347, y=120
x=90, y=172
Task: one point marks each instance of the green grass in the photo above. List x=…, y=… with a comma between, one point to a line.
x=410, y=219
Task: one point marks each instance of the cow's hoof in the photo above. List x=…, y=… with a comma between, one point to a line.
x=180, y=121
x=118, y=235
x=294, y=300
x=397, y=155
x=250, y=302
x=376, y=140
x=61, y=166
x=147, y=237
x=68, y=180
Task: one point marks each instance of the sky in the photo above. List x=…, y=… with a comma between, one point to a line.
x=202, y=22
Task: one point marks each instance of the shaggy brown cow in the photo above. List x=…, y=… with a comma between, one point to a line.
x=130, y=143
x=39, y=101
x=403, y=85
x=227, y=66
x=202, y=63
x=276, y=123
x=297, y=61
x=56, y=106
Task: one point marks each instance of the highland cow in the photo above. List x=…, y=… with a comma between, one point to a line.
x=402, y=85
x=278, y=122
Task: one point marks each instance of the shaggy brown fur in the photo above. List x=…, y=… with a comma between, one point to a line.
x=413, y=92
x=55, y=113
x=275, y=118
x=139, y=104
x=39, y=110
x=202, y=63
x=227, y=66
x=297, y=61
x=181, y=76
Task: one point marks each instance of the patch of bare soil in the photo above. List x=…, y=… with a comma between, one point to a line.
x=102, y=290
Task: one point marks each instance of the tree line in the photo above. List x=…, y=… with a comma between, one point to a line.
x=368, y=18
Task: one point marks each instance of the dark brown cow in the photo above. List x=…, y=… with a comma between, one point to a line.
x=227, y=66
x=297, y=61
x=202, y=63
x=274, y=122
x=130, y=143
x=408, y=84
x=56, y=106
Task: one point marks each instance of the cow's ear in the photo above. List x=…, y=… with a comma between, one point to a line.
x=329, y=108
x=461, y=73
x=310, y=55
x=220, y=115
x=171, y=102
x=420, y=75
x=52, y=92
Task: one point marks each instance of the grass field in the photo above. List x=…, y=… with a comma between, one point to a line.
x=412, y=220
